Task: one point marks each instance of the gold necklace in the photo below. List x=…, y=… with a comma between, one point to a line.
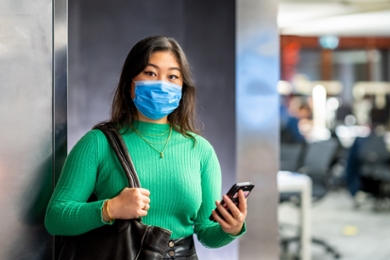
x=150, y=144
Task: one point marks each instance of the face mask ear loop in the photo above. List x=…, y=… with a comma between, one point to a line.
x=131, y=92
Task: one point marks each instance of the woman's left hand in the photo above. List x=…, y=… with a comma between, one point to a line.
x=231, y=223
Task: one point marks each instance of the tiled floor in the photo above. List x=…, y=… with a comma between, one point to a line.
x=357, y=233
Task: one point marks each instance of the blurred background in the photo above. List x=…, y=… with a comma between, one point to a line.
x=334, y=125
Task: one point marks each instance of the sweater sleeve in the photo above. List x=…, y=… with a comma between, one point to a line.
x=68, y=212
x=210, y=233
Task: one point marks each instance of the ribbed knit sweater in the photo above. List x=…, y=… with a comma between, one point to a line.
x=183, y=185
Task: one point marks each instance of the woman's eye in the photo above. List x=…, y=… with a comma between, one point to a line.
x=171, y=77
x=150, y=73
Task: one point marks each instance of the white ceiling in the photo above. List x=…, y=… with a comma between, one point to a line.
x=334, y=17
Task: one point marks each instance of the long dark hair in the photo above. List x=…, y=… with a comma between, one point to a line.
x=124, y=112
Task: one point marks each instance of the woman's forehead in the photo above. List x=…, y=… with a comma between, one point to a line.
x=164, y=59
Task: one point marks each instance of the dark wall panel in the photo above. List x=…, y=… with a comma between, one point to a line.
x=210, y=44
x=101, y=34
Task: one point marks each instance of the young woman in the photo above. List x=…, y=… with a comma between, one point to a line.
x=154, y=110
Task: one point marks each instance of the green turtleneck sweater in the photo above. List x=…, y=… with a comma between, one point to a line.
x=183, y=185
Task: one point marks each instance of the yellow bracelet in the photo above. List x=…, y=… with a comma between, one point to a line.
x=108, y=211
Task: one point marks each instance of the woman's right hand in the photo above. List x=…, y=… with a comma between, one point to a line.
x=130, y=203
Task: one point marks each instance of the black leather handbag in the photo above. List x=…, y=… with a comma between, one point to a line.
x=125, y=239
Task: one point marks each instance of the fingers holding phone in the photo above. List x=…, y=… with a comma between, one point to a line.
x=233, y=217
x=231, y=212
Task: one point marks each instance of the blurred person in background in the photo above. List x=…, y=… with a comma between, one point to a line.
x=368, y=159
x=295, y=115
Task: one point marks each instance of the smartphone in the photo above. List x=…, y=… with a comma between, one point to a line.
x=246, y=187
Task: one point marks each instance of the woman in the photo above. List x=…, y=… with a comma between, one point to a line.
x=154, y=109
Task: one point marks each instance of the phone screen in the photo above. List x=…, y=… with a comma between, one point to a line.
x=246, y=187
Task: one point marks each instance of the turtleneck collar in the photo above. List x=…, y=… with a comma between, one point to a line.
x=150, y=128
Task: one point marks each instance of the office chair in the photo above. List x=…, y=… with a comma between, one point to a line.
x=374, y=168
x=290, y=160
x=316, y=164
x=291, y=156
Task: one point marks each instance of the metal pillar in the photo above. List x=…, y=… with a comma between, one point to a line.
x=257, y=121
x=32, y=119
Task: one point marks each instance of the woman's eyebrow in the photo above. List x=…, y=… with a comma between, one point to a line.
x=175, y=68
x=155, y=66
x=150, y=64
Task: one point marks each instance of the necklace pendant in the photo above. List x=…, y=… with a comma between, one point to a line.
x=161, y=155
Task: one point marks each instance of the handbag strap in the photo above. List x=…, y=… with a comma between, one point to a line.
x=120, y=149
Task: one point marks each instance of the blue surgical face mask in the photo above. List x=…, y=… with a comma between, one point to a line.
x=156, y=98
